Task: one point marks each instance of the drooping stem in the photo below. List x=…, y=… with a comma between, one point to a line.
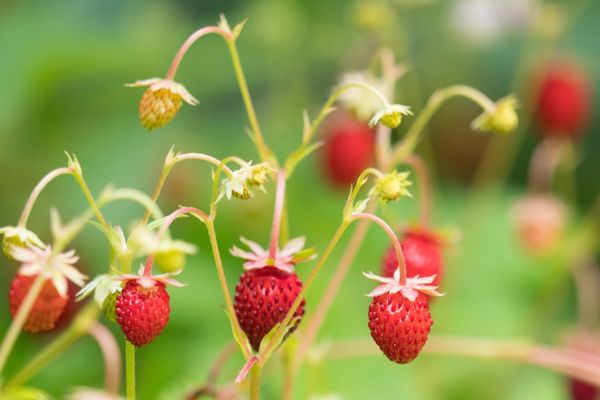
x=543, y=164
x=237, y=331
x=165, y=227
x=577, y=364
x=188, y=43
x=407, y=145
x=35, y=193
x=111, y=354
x=19, y=319
x=255, y=382
x=313, y=325
x=130, y=370
x=393, y=238
x=425, y=187
x=277, y=214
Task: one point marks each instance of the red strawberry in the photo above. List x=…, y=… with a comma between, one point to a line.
x=263, y=297
x=540, y=221
x=565, y=100
x=268, y=288
x=349, y=148
x=47, y=308
x=422, y=253
x=142, y=310
x=399, y=317
x=582, y=390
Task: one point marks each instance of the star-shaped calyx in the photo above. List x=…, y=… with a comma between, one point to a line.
x=284, y=259
x=410, y=289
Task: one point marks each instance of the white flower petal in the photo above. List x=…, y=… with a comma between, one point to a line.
x=60, y=283
x=293, y=246
x=255, y=247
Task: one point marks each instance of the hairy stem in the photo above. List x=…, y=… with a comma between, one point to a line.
x=37, y=190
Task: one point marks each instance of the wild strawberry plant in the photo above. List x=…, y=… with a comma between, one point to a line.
x=269, y=301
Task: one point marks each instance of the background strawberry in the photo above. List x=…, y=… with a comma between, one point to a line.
x=349, y=148
x=47, y=308
x=399, y=326
x=565, y=99
x=422, y=253
x=263, y=297
x=582, y=390
x=142, y=311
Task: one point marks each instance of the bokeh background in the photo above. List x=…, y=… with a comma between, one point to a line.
x=63, y=66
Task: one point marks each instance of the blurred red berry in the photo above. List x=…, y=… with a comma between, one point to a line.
x=582, y=390
x=540, y=221
x=349, y=148
x=565, y=100
x=422, y=253
x=47, y=308
x=263, y=297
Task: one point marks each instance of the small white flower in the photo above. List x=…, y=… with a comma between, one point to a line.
x=102, y=286
x=390, y=116
x=285, y=258
x=244, y=180
x=156, y=84
x=391, y=186
x=410, y=290
x=58, y=267
x=18, y=236
x=362, y=102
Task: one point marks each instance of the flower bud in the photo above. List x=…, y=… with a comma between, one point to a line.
x=391, y=187
x=161, y=101
x=390, y=116
x=18, y=237
x=170, y=257
x=503, y=119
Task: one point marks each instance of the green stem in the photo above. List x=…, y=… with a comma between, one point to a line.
x=255, y=382
x=19, y=320
x=38, y=189
x=237, y=331
x=264, y=151
x=86, y=317
x=130, y=370
x=408, y=144
x=92, y=202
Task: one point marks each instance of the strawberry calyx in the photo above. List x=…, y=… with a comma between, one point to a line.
x=410, y=290
x=149, y=281
x=285, y=258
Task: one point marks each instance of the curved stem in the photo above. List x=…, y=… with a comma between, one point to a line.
x=188, y=43
x=90, y=198
x=425, y=187
x=19, y=319
x=407, y=145
x=576, y=364
x=49, y=177
x=277, y=214
x=393, y=238
x=316, y=320
x=165, y=226
x=237, y=331
x=542, y=166
x=112, y=357
x=139, y=197
x=130, y=370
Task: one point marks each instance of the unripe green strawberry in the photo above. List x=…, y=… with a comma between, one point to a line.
x=109, y=306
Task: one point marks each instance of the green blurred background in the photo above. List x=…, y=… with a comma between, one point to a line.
x=63, y=66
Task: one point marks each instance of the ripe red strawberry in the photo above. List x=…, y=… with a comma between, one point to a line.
x=565, y=100
x=422, y=253
x=399, y=317
x=47, y=308
x=582, y=390
x=263, y=297
x=142, y=310
x=349, y=148
x=400, y=326
x=268, y=288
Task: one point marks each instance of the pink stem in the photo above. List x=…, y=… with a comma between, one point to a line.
x=110, y=352
x=393, y=239
x=425, y=188
x=188, y=43
x=279, y=200
x=247, y=367
x=163, y=229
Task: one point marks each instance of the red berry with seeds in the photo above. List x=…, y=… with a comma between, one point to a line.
x=47, y=308
x=349, y=148
x=268, y=288
x=422, y=253
x=142, y=310
x=565, y=100
x=263, y=297
x=399, y=317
